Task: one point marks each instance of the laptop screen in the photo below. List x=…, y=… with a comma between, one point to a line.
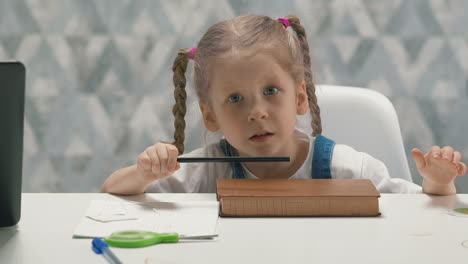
x=12, y=86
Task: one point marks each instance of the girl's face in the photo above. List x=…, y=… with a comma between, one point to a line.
x=254, y=102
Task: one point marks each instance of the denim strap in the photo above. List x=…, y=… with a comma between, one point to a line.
x=229, y=151
x=321, y=162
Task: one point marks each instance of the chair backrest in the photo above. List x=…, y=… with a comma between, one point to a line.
x=365, y=120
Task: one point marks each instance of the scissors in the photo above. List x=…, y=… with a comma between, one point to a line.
x=137, y=238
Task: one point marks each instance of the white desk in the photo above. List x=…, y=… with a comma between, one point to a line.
x=412, y=229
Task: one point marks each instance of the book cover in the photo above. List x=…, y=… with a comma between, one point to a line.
x=297, y=197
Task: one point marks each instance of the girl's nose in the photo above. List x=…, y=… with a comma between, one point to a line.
x=258, y=113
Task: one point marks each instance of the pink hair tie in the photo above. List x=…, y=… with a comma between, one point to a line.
x=285, y=21
x=191, y=53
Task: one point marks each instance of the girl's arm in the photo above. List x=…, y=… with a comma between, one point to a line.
x=156, y=162
x=125, y=181
x=431, y=187
x=439, y=168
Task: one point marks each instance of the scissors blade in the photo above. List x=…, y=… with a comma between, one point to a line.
x=198, y=236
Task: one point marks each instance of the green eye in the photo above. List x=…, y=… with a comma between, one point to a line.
x=270, y=91
x=235, y=98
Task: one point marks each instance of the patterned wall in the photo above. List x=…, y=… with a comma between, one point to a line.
x=99, y=83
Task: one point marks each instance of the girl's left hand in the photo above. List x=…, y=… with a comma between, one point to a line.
x=439, y=165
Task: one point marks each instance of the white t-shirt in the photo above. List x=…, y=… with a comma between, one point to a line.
x=347, y=163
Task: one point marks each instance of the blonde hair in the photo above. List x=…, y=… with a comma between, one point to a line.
x=241, y=33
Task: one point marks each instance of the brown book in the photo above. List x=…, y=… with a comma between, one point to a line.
x=297, y=197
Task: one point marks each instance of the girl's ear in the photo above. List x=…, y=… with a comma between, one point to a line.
x=302, y=101
x=208, y=117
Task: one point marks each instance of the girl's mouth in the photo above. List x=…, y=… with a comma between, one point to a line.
x=261, y=137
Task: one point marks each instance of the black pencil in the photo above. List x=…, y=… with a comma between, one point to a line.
x=233, y=159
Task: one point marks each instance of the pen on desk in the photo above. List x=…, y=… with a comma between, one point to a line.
x=232, y=159
x=101, y=248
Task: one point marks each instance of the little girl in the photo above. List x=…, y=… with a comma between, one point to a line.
x=252, y=77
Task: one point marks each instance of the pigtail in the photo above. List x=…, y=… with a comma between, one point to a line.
x=304, y=44
x=179, y=109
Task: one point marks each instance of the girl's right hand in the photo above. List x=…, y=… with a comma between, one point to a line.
x=158, y=161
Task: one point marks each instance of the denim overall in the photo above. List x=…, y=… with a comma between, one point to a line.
x=321, y=162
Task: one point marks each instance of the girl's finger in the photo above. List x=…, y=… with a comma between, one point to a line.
x=456, y=157
x=462, y=169
x=162, y=155
x=172, y=159
x=155, y=163
x=145, y=161
x=418, y=158
x=447, y=153
x=434, y=154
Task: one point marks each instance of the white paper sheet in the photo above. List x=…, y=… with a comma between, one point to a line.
x=182, y=217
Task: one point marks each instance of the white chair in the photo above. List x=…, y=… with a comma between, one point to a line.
x=365, y=120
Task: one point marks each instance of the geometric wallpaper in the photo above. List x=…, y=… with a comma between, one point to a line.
x=99, y=82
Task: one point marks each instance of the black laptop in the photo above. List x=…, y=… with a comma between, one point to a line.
x=12, y=86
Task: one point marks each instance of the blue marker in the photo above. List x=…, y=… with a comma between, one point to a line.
x=101, y=247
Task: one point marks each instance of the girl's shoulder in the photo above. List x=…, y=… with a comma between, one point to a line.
x=352, y=164
x=348, y=163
